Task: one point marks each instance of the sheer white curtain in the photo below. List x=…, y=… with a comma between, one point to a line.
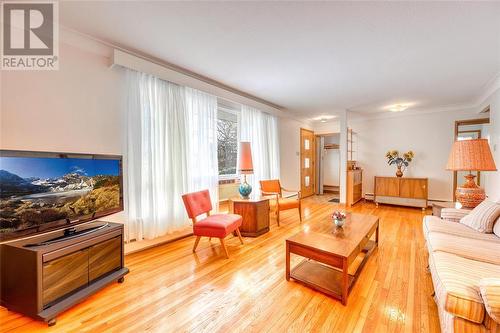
x=202, y=169
x=169, y=134
x=261, y=130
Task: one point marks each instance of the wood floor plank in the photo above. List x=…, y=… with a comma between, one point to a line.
x=170, y=289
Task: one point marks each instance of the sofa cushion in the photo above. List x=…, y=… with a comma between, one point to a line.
x=496, y=227
x=451, y=323
x=456, y=283
x=483, y=216
x=470, y=248
x=435, y=224
x=490, y=291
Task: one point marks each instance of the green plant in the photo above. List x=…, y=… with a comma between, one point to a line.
x=400, y=161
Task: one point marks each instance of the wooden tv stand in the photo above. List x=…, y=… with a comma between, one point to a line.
x=45, y=280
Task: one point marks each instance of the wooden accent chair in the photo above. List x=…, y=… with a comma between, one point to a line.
x=273, y=187
x=216, y=225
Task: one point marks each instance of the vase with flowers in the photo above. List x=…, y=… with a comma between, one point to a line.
x=338, y=218
x=401, y=162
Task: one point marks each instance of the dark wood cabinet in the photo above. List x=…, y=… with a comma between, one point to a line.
x=62, y=275
x=104, y=257
x=255, y=214
x=354, y=186
x=41, y=278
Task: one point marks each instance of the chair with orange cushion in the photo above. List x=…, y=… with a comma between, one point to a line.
x=216, y=225
x=273, y=187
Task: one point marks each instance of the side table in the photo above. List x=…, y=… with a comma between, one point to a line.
x=438, y=206
x=255, y=213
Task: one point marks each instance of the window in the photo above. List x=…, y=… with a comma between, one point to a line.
x=227, y=138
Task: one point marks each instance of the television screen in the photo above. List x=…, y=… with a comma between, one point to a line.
x=40, y=191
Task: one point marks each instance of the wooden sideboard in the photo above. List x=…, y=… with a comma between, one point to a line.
x=255, y=214
x=401, y=191
x=354, y=186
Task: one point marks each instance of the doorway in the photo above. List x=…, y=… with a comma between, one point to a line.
x=466, y=130
x=328, y=165
x=307, y=162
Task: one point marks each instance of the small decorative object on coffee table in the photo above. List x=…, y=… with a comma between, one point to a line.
x=401, y=162
x=338, y=218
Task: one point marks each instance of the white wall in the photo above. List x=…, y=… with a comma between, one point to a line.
x=429, y=135
x=290, y=152
x=74, y=109
x=331, y=126
x=492, y=179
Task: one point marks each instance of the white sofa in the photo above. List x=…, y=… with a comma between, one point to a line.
x=460, y=258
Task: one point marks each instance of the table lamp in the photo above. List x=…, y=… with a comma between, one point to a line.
x=246, y=168
x=470, y=155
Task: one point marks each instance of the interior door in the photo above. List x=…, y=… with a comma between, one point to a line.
x=307, y=162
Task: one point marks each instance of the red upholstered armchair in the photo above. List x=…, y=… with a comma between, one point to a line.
x=217, y=225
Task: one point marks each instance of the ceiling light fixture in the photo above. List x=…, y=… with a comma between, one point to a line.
x=398, y=107
x=324, y=118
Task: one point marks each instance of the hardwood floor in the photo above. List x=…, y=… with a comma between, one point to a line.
x=170, y=289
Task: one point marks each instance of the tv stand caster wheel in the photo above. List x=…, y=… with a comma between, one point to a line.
x=51, y=322
x=121, y=280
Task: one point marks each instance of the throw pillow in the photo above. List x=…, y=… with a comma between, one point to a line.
x=482, y=217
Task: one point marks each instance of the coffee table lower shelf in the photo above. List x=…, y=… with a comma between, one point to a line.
x=318, y=276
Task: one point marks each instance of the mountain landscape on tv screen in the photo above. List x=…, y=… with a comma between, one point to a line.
x=31, y=201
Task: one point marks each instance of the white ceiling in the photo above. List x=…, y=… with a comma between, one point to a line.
x=314, y=57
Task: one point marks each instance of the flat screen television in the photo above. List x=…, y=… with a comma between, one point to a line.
x=41, y=191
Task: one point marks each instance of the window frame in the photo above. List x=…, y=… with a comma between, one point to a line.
x=235, y=176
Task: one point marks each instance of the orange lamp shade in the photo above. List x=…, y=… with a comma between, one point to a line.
x=246, y=165
x=471, y=155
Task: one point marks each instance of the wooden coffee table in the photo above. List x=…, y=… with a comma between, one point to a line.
x=335, y=256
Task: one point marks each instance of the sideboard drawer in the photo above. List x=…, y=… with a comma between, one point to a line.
x=387, y=186
x=64, y=275
x=104, y=257
x=413, y=188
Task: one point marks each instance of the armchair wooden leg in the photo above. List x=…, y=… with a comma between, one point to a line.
x=224, y=247
x=300, y=212
x=209, y=239
x=239, y=235
x=196, y=243
x=278, y=216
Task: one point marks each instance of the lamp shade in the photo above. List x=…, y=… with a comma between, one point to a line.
x=471, y=155
x=246, y=165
